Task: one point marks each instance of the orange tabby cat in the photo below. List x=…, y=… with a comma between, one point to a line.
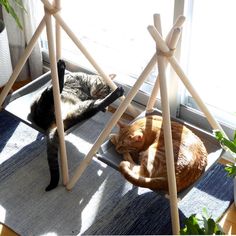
x=144, y=140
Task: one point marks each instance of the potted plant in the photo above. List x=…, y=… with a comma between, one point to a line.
x=201, y=224
x=230, y=146
x=5, y=62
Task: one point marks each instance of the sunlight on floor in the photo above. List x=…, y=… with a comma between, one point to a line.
x=2, y=214
x=79, y=142
x=93, y=205
x=50, y=234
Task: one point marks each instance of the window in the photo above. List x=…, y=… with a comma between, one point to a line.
x=115, y=33
x=210, y=56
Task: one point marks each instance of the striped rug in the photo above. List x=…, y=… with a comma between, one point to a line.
x=102, y=202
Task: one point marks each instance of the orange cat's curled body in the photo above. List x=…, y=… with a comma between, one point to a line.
x=142, y=146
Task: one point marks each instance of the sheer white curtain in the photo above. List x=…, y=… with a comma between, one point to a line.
x=18, y=39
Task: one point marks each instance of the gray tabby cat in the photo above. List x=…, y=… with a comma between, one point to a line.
x=82, y=96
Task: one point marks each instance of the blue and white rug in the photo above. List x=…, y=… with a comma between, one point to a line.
x=102, y=202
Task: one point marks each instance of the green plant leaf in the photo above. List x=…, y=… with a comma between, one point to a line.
x=218, y=134
x=10, y=10
x=16, y=18
x=5, y=4
x=211, y=226
x=234, y=137
x=231, y=169
x=205, y=223
x=192, y=225
x=231, y=146
x=226, y=143
x=205, y=213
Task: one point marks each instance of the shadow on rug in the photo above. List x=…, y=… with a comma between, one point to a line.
x=149, y=212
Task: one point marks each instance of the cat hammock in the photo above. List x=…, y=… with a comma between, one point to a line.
x=164, y=53
x=19, y=103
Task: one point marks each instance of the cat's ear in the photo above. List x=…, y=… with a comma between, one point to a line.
x=114, y=138
x=121, y=125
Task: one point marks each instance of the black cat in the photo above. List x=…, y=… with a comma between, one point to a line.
x=82, y=96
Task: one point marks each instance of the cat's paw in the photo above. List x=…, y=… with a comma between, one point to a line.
x=105, y=109
x=119, y=91
x=113, y=138
x=128, y=157
x=61, y=65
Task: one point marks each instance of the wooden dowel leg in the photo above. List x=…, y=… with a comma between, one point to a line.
x=164, y=48
x=57, y=98
x=168, y=147
x=174, y=39
x=153, y=96
x=58, y=32
x=116, y=116
x=170, y=165
x=156, y=87
x=22, y=61
x=157, y=22
x=73, y=37
x=77, y=42
x=157, y=37
x=171, y=40
x=178, y=24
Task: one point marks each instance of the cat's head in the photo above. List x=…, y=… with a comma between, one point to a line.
x=100, y=88
x=130, y=138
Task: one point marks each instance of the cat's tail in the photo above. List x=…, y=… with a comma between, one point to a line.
x=52, y=157
x=132, y=173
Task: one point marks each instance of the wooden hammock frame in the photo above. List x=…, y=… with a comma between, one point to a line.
x=164, y=53
x=54, y=10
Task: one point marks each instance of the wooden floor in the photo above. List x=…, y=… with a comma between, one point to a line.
x=18, y=85
x=228, y=221
x=6, y=231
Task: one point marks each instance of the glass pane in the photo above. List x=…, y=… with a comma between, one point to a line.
x=114, y=32
x=211, y=65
